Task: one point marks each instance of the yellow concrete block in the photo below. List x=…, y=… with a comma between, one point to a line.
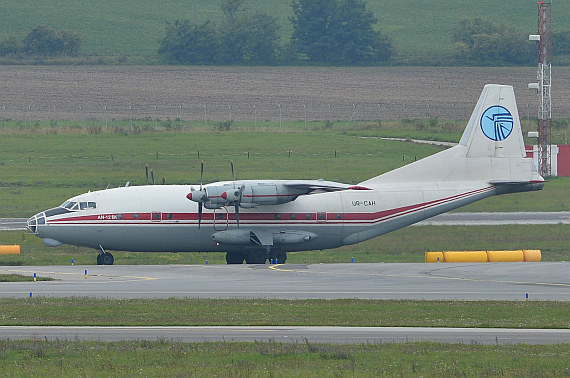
x=9, y=249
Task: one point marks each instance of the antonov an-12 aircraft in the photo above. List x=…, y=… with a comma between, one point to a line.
x=257, y=220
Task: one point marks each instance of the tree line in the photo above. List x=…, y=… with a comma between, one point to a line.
x=325, y=32
x=42, y=41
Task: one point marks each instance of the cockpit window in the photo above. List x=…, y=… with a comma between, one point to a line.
x=73, y=205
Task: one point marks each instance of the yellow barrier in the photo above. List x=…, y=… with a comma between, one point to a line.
x=528, y=255
x=434, y=257
x=532, y=255
x=9, y=249
x=505, y=256
x=465, y=256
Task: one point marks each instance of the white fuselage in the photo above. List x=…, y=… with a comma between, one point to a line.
x=160, y=218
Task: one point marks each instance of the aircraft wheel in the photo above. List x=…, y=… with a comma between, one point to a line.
x=100, y=259
x=107, y=259
x=234, y=258
x=256, y=257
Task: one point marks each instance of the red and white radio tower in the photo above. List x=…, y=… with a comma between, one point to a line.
x=544, y=75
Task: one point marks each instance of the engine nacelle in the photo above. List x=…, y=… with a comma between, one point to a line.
x=246, y=237
x=293, y=237
x=233, y=237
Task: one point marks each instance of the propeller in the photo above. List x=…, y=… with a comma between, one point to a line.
x=199, y=196
x=235, y=195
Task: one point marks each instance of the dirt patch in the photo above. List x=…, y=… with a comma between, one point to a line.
x=245, y=94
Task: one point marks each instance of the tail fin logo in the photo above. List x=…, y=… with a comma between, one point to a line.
x=497, y=123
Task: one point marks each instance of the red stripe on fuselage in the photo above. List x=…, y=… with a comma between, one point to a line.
x=253, y=218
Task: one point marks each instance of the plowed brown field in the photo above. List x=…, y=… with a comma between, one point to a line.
x=245, y=94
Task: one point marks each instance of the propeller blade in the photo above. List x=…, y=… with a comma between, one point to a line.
x=237, y=212
x=147, y=174
x=233, y=171
x=199, y=214
x=201, y=173
x=152, y=176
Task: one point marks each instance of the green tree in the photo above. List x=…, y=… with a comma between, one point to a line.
x=44, y=41
x=250, y=39
x=479, y=42
x=339, y=32
x=10, y=45
x=561, y=43
x=190, y=44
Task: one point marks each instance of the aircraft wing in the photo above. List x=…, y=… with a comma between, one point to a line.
x=312, y=185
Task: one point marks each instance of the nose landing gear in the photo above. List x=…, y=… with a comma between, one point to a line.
x=104, y=258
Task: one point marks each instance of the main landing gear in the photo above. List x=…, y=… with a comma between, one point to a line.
x=104, y=258
x=255, y=257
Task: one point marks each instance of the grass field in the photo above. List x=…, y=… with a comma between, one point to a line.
x=267, y=312
x=39, y=171
x=420, y=28
x=164, y=358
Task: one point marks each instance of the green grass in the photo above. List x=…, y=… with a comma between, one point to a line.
x=40, y=167
x=21, y=278
x=406, y=245
x=163, y=358
x=267, y=312
x=421, y=29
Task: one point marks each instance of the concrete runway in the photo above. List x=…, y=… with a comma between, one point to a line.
x=294, y=334
x=447, y=219
x=459, y=281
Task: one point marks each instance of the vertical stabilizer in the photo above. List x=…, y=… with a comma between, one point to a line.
x=494, y=129
x=491, y=148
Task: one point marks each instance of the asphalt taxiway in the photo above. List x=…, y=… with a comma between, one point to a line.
x=294, y=334
x=421, y=281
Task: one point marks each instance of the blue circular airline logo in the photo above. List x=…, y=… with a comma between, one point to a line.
x=497, y=123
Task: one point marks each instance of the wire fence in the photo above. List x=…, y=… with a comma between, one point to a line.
x=253, y=113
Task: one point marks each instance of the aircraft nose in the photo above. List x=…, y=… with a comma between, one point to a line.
x=35, y=221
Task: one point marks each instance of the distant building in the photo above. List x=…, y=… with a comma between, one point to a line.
x=560, y=165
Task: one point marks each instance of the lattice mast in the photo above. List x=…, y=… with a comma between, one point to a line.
x=544, y=76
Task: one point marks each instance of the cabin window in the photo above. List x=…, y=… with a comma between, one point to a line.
x=307, y=216
x=119, y=216
x=136, y=216
x=82, y=205
x=321, y=216
x=339, y=216
x=293, y=216
x=155, y=216
x=169, y=215
x=91, y=205
x=276, y=216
